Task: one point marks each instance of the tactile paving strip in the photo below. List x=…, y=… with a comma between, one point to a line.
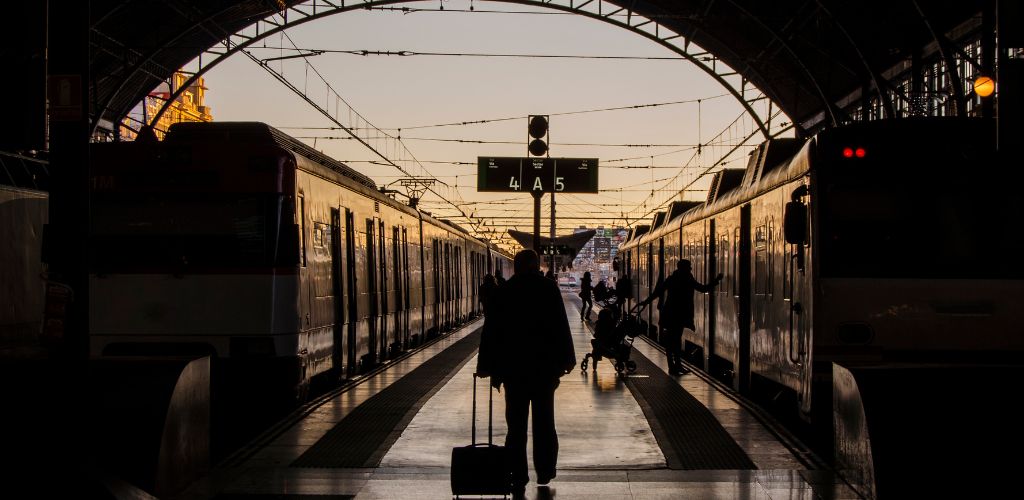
x=364, y=436
x=689, y=435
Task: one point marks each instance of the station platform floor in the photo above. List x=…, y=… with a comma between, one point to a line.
x=617, y=437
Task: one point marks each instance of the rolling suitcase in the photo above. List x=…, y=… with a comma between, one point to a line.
x=481, y=468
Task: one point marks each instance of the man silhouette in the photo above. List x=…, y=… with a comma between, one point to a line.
x=527, y=351
x=677, y=310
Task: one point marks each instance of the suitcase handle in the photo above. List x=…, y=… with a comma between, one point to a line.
x=490, y=412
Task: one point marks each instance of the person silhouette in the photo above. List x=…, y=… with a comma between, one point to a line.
x=488, y=288
x=677, y=310
x=527, y=351
x=587, y=294
x=623, y=292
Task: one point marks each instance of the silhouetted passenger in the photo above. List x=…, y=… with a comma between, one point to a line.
x=623, y=292
x=498, y=278
x=586, y=293
x=677, y=310
x=487, y=290
x=601, y=291
x=527, y=351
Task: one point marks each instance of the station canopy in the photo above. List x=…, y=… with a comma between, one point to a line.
x=560, y=245
x=813, y=59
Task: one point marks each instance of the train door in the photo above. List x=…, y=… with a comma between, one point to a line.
x=436, y=247
x=710, y=315
x=446, y=283
x=406, y=293
x=659, y=262
x=797, y=299
x=398, y=285
x=305, y=290
x=371, y=290
x=338, y=293
x=353, y=295
x=651, y=327
x=742, y=381
x=459, y=274
x=382, y=266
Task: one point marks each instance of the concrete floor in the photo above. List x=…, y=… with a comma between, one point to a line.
x=607, y=449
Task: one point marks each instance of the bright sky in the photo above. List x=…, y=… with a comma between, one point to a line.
x=402, y=92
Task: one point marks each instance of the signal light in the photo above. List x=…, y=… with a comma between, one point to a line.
x=851, y=152
x=538, y=131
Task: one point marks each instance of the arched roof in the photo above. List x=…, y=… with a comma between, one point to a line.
x=813, y=58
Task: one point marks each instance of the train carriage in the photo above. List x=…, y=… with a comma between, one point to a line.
x=235, y=240
x=857, y=247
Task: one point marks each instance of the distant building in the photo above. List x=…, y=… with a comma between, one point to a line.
x=598, y=253
x=189, y=106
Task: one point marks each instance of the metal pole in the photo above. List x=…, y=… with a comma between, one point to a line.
x=536, y=220
x=552, y=264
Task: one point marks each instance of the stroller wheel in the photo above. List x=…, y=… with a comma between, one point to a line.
x=619, y=366
x=631, y=366
x=583, y=364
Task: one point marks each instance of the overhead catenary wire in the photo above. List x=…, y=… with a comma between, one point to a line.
x=523, y=117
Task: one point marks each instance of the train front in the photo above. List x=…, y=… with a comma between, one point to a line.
x=918, y=303
x=193, y=251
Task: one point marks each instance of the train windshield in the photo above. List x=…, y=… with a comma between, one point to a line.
x=186, y=231
x=917, y=218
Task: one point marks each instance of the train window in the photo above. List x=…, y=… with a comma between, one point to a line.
x=723, y=264
x=761, y=260
x=736, y=262
x=302, y=229
x=321, y=234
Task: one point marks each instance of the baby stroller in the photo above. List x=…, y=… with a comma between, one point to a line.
x=613, y=339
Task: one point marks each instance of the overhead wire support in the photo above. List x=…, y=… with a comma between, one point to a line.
x=399, y=147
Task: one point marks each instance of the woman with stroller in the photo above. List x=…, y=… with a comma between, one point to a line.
x=587, y=294
x=677, y=310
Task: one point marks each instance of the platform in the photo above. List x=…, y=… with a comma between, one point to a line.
x=643, y=435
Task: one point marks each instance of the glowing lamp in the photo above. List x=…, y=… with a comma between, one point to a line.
x=984, y=86
x=860, y=152
x=847, y=152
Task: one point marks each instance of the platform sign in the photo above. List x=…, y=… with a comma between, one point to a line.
x=578, y=175
x=559, y=175
x=556, y=250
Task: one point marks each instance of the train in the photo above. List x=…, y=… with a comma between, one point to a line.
x=235, y=240
x=23, y=214
x=889, y=242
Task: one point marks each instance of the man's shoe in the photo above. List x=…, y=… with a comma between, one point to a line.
x=544, y=480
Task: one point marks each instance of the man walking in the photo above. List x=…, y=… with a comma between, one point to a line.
x=529, y=349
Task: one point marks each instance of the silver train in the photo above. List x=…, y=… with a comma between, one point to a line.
x=235, y=240
x=878, y=243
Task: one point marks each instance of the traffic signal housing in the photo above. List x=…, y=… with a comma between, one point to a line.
x=538, y=135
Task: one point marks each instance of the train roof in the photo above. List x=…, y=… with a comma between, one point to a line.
x=635, y=234
x=657, y=220
x=725, y=180
x=258, y=132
